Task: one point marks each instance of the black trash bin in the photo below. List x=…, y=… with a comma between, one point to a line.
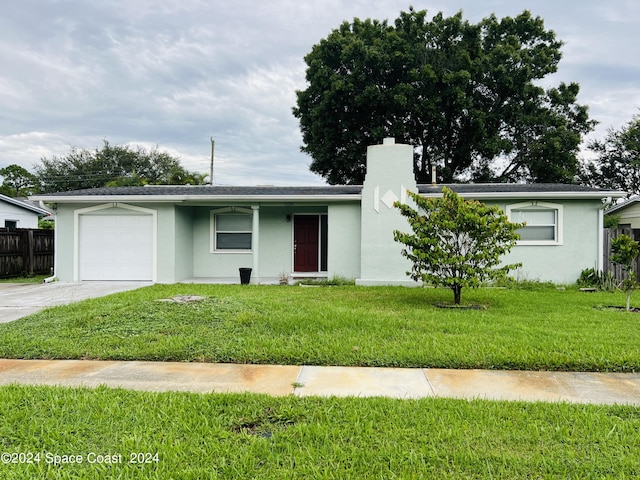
x=245, y=276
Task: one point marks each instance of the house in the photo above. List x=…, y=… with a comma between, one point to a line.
x=170, y=234
x=627, y=211
x=16, y=213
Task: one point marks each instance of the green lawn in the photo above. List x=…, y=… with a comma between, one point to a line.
x=32, y=279
x=543, y=329
x=192, y=436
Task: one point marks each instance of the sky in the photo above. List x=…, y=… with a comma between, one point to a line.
x=177, y=73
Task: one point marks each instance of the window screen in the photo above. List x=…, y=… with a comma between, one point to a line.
x=541, y=224
x=233, y=232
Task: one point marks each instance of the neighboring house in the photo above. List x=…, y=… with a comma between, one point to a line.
x=15, y=213
x=173, y=234
x=628, y=211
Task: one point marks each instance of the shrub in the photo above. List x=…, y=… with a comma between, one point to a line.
x=455, y=242
x=592, y=278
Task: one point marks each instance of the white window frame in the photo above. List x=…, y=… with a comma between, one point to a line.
x=536, y=205
x=229, y=211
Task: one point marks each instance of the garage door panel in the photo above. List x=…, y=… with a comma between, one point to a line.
x=116, y=247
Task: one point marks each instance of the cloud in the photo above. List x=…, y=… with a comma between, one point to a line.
x=27, y=149
x=174, y=73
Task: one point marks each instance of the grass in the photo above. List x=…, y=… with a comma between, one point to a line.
x=25, y=279
x=541, y=329
x=230, y=436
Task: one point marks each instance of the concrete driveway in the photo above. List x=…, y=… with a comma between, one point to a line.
x=21, y=299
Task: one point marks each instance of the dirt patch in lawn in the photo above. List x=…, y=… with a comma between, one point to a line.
x=454, y=306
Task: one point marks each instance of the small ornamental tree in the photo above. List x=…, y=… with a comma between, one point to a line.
x=624, y=250
x=456, y=243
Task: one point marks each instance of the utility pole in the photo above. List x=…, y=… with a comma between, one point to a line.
x=211, y=174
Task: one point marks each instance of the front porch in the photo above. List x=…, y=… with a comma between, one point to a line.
x=282, y=243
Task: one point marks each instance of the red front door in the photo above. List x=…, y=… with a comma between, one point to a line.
x=305, y=243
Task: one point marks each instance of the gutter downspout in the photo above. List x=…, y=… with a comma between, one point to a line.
x=606, y=202
x=255, y=242
x=55, y=252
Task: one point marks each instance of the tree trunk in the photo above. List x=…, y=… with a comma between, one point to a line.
x=628, y=300
x=456, y=294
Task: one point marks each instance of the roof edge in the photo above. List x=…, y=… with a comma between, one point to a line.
x=26, y=206
x=535, y=195
x=196, y=198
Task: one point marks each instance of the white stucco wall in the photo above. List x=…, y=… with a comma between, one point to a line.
x=389, y=176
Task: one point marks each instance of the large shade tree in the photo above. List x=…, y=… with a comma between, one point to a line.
x=467, y=96
x=112, y=165
x=17, y=181
x=617, y=161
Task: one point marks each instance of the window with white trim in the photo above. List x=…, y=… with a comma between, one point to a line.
x=231, y=230
x=543, y=222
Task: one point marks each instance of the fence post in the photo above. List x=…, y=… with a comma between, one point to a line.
x=24, y=251
x=31, y=262
x=606, y=264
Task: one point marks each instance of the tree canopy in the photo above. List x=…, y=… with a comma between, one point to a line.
x=467, y=96
x=112, y=165
x=455, y=242
x=617, y=162
x=17, y=181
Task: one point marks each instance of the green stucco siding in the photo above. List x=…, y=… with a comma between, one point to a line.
x=344, y=240
x=276, y=243
x=562, y=263
x=360, y=241
x=184, y=243
x=207, y=265
x=64, y=243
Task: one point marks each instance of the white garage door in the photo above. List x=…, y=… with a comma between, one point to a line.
x=116, y=247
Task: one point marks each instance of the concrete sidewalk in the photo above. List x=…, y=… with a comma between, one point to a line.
x=404, y=383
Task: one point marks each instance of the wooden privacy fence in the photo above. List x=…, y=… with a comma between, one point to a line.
x=616, y=270
x=26, y=251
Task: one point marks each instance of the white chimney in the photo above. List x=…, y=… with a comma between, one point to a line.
x=389, y=176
